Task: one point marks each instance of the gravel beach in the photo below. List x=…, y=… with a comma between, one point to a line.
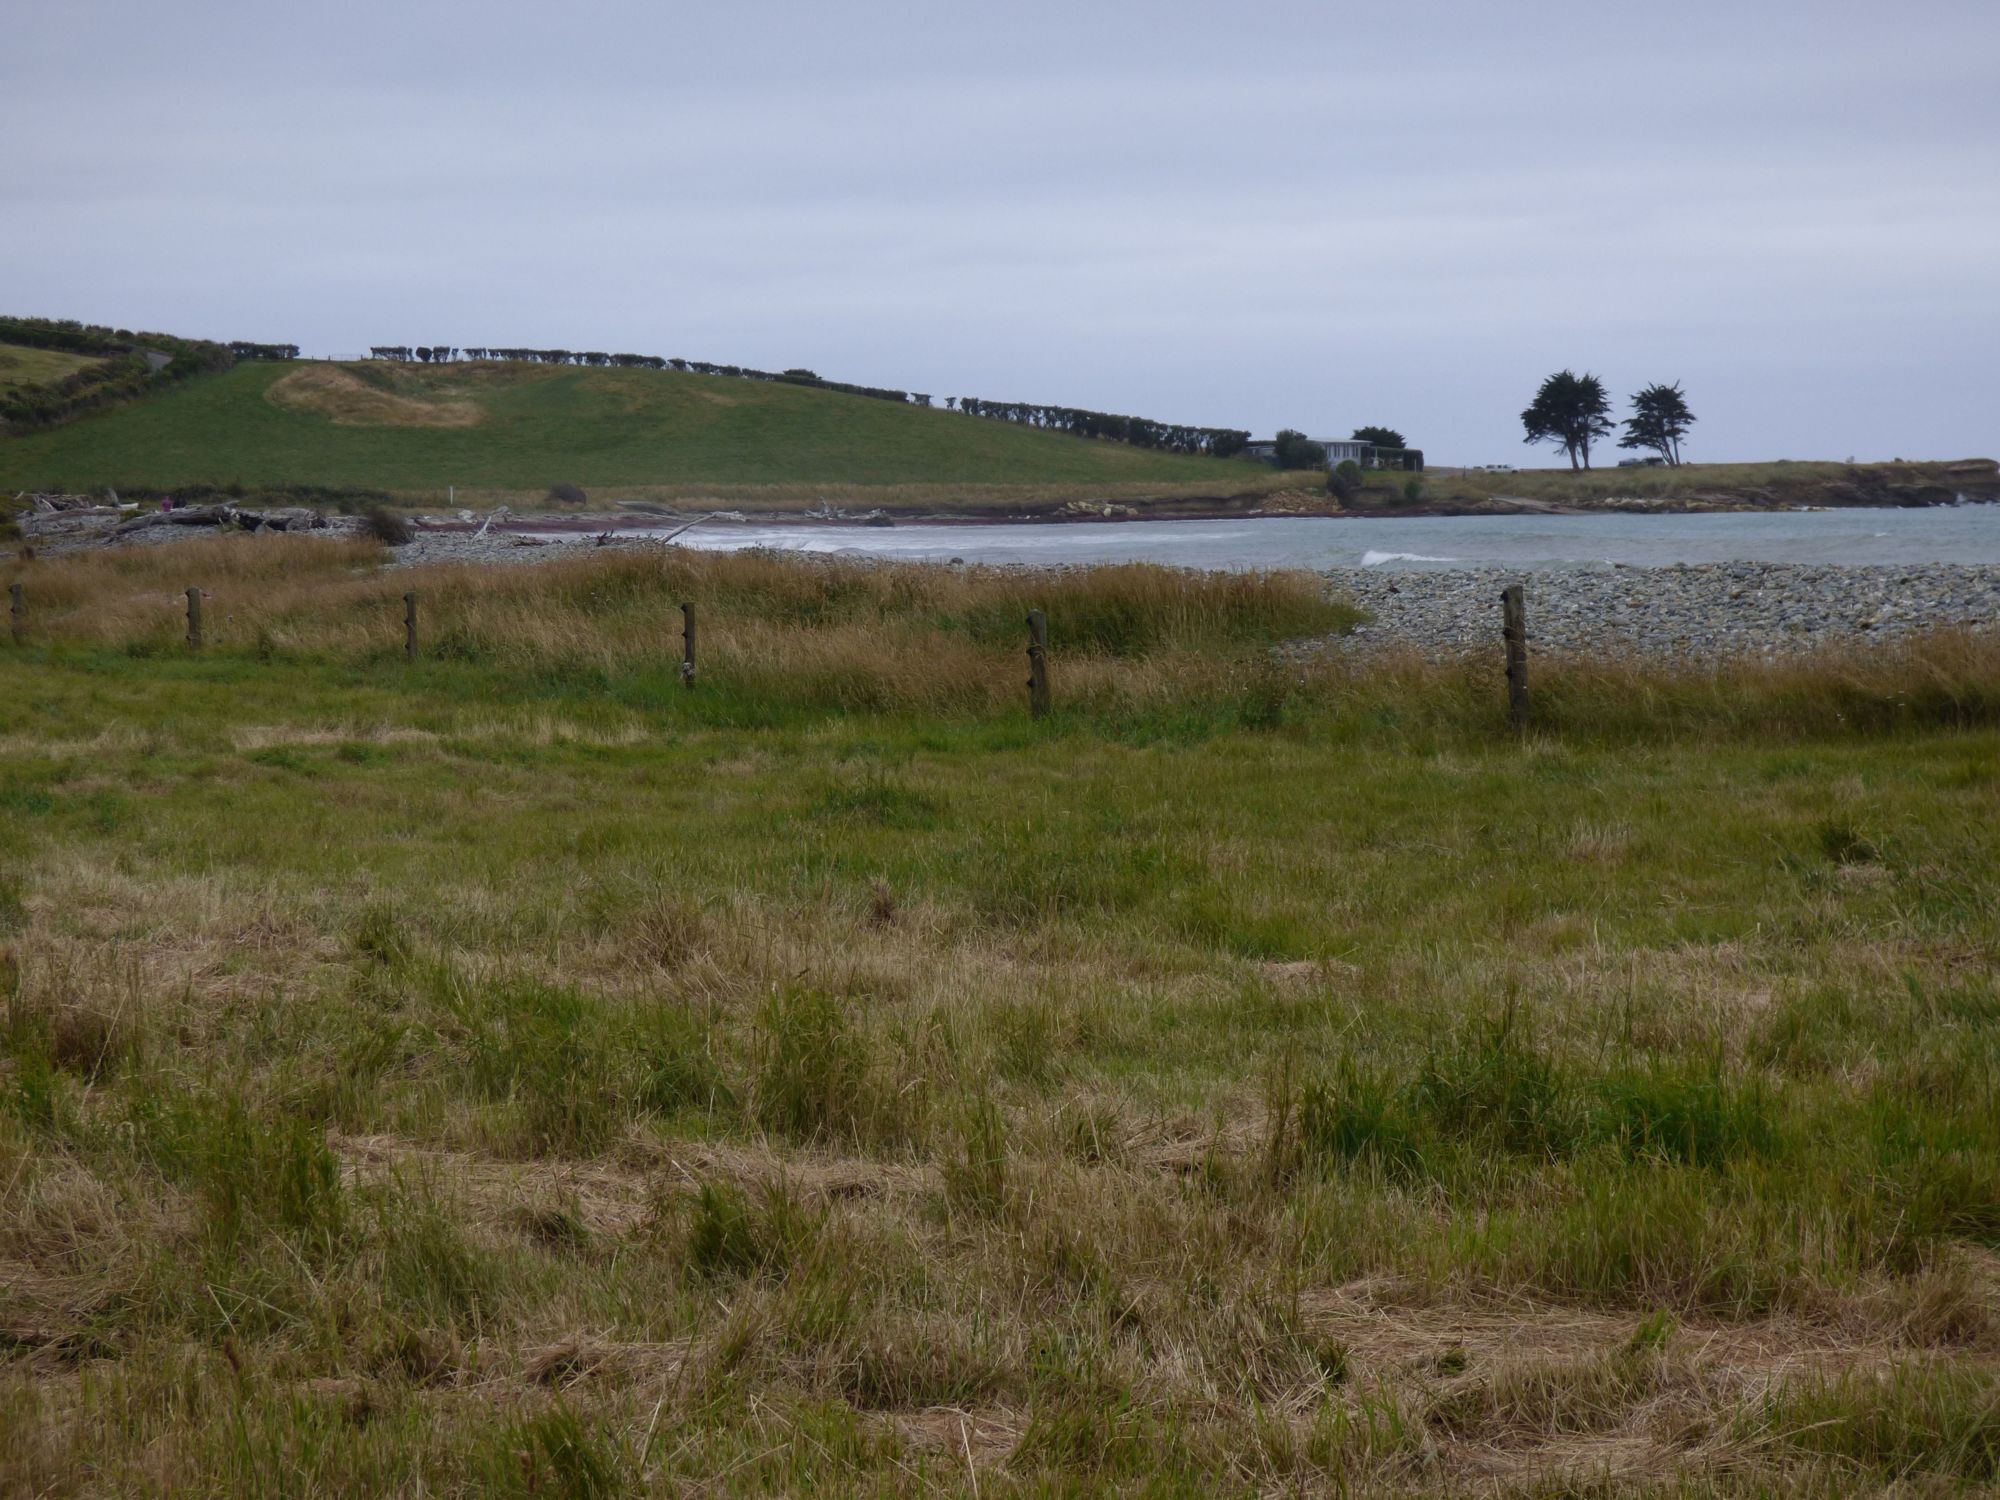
x=1710, y=609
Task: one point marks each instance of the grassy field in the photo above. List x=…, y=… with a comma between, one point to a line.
x=512, y=1073
x=1780, y=483
x=20, y=365
x=509, y=431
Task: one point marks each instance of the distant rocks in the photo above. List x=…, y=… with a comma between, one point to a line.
x=1710, y=609
x=57, y=523
x=282, y=518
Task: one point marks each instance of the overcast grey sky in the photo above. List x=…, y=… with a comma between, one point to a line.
x=1262, y=215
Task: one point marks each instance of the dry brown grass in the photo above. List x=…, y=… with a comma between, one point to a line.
x=853, y=635
x=343, y=398
x=864, y=637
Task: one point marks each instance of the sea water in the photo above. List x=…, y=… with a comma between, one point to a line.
x=1933, y=534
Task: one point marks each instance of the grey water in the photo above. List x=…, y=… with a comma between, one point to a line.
x=1936, y=534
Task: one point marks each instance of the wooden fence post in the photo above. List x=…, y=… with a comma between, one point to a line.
x=1038, y=663
x=194, y=619
x=687, y=645
x=19, y=613
x=410, y=625
x=1514, y=628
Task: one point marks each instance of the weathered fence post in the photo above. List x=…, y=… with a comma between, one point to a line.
x=687, y=645
x=194, y=619
x=1514, y=628
x=18, y=614
x=410, y=625
x=1038, y=663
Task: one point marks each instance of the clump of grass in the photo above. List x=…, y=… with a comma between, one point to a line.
x=976, y=1180
x=85, y=1038
x=379, y=934
x=386, y=526
x=814, y=1077
x=731, y=1234
x=1355, y=1115
x=878, y=798
x=543, y=1052
x=1136, y=609
x=670, y=930
x=555, y=1452
x=1912, y=1423
x=1491, y=1089
x=677, y=1064
x=1688, y=1115
x=428, y=1274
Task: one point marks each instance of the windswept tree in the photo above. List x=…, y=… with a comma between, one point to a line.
x=1381, y=437
x=1660, y=419
x=1570, y=411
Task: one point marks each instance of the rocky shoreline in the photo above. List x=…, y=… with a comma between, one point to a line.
x=1687, y=610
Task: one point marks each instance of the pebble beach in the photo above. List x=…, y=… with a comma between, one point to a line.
x=1701, y=610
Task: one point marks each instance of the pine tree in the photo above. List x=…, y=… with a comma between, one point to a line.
x=1660, y=419
x=1570, y=411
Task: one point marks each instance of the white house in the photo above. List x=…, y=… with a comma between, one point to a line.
x=1337, y=450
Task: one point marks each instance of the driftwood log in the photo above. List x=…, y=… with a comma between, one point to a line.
x=288, y=518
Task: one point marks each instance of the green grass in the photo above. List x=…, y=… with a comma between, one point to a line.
x=21, y=365
x=633, y=433
x=1748, y=484
x=511, y=1072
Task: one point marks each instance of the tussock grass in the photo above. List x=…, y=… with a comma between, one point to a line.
x=513, y=1072
x=774, y=631
x=1166, y=650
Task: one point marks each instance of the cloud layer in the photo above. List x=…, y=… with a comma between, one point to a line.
x=1264, y=215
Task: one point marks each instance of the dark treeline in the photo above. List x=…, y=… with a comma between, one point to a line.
x=128, y=364
x=1141, y=432
x=244, y=350
x=430, y=354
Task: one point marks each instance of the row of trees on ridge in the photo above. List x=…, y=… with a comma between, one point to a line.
x=1141, y=432
x=1572, y=411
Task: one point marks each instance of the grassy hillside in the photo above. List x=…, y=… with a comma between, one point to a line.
x=516, y=429
x=511, y=1073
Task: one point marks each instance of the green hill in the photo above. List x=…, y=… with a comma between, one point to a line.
x=511, y=430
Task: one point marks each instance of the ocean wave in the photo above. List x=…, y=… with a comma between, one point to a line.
x=1376, y=559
